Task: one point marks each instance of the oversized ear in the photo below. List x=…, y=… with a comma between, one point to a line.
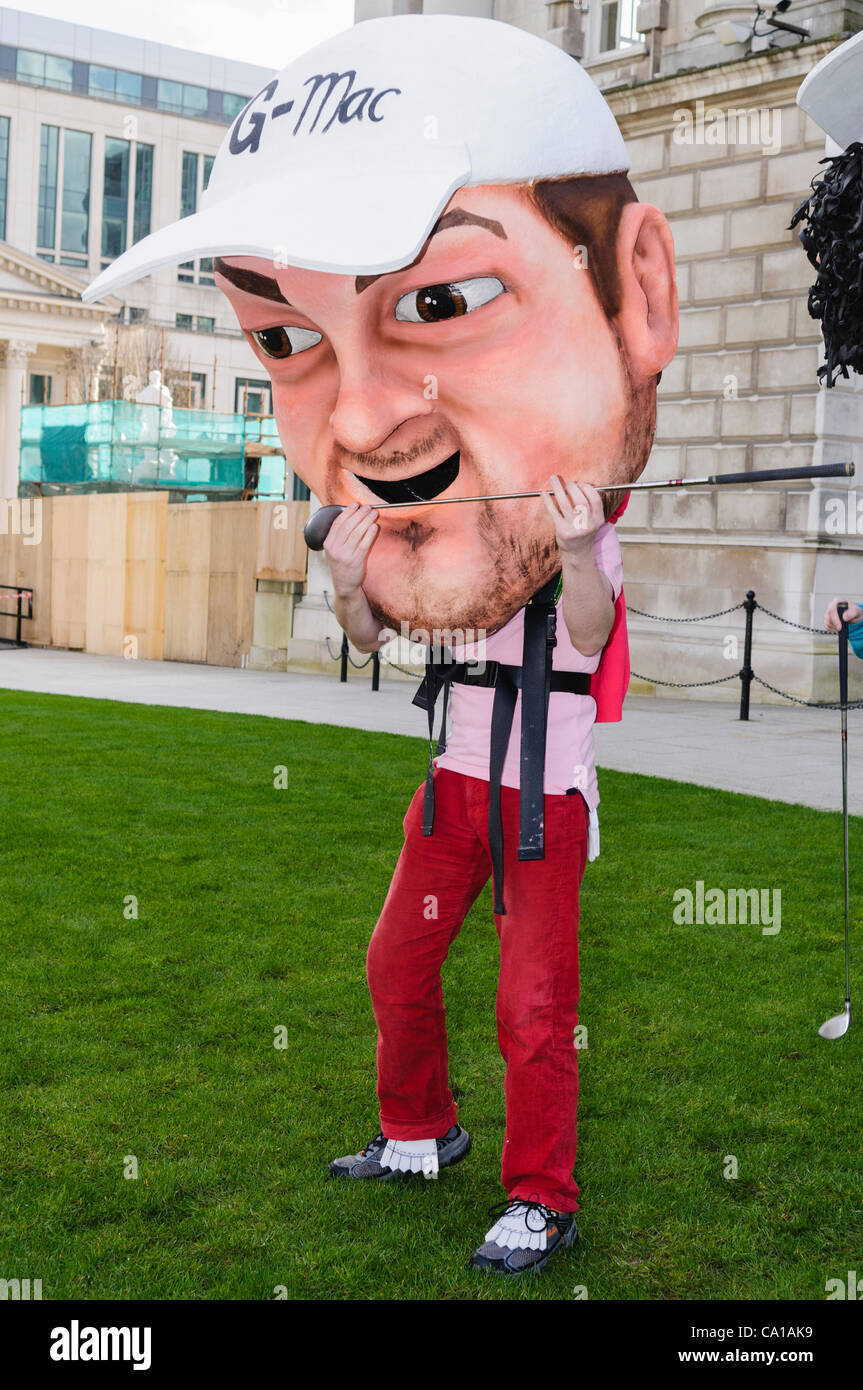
x=648, y=317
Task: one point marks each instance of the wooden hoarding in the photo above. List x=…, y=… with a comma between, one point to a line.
x=178, y=578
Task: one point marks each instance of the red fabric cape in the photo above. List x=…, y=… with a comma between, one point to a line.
x=608, y=684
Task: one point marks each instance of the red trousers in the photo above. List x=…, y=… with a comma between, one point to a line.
x=436, y=880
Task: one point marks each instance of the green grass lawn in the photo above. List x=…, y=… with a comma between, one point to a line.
x=154, y=1036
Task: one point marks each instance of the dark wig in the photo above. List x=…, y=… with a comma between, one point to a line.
x=832, y=237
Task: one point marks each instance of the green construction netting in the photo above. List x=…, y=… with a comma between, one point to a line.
x=121, y=443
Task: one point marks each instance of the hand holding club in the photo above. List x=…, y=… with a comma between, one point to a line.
x=852, y=614
x=577, y=512
x=350, y=538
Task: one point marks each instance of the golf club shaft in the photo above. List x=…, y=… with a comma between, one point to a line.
x=843, y=704
x=317, y=528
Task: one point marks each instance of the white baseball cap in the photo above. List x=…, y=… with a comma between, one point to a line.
x=832, y=94
x=346, y=158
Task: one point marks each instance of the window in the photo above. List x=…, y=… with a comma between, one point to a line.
x=205, y=267
x=115, y=85
x=43, y=70
x=47, y=215
x=252, y=397
x=232, y=105
x=4, y=172
x=301, y=490
x=195, y=176
x=195, y=323
x=143, y=191
x=188, y=206
x=71, y=173
x=119, y=202
x=197, y=382
x=189, y=185
x=101, y=82
x=75, y=218
x=182, y=98
x=40, y=389
x=617, y=25
x=115, y=199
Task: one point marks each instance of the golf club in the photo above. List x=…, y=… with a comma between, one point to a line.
x=317, y=528
x=840, y=1023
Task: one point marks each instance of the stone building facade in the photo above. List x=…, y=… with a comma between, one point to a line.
x=719, y=145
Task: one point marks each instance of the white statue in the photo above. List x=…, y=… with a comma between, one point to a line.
x=155, y=393
x=160, y=464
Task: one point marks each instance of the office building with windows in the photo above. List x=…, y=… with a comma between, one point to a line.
x=104, y=138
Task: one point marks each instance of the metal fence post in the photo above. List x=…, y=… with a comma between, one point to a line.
x=345, y=649
x=376, y=671
x=746, y=670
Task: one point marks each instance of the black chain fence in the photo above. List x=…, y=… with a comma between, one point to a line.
x=745, y=675
x=702, y=617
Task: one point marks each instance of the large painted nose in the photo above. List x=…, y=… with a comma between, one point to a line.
x=375, y=398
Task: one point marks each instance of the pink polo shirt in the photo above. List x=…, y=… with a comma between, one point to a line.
x=569, y=760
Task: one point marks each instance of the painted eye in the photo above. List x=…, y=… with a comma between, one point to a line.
x=438, y=302
x=286, y=342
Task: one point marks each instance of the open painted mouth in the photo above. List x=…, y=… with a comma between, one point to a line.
x=422, y=487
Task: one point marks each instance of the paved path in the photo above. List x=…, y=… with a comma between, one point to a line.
x=785, y=753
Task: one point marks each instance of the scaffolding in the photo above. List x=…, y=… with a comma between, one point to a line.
x=123, y=446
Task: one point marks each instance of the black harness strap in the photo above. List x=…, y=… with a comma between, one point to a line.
x=502, y=712
x=540, y=639
x=437, y=675
x=536, y=679
x=540, y=618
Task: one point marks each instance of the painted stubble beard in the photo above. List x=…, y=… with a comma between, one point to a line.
x=415, y=533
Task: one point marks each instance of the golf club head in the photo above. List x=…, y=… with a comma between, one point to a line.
x=838, y=1025
x=317, y=528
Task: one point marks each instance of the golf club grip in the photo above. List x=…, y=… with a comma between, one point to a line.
x=765, y=475
x=841, y=609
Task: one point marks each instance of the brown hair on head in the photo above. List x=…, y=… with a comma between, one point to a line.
x=585, y=210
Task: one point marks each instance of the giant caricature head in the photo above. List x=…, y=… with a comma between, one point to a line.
x=427, y=233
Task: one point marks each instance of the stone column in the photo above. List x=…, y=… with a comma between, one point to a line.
x=92, y=357
x=565, y=27
x=17, y=354
x=651, y=19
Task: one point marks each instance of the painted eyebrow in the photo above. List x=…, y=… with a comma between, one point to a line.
x=459, y=217
x=264, y=287
x=249, y=280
